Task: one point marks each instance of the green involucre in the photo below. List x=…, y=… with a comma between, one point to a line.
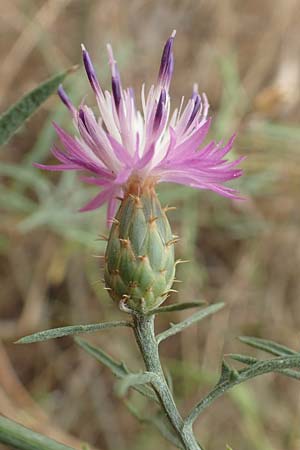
x=139, y=259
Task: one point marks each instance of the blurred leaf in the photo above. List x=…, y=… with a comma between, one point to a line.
x=267, y=346
x=159, y=422
x=234, y=101
x=12, y=119
x=177, y=307
x=47, y=134
x=119, y=369
x=133, y=380
x=275, y=130
x=70, y=331
x=165, y=430
x=199, y=315
x=27, y=176
x=11, y=200
x=17, y=436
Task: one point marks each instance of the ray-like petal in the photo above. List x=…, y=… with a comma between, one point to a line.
x=97, y=201
x=124, y=142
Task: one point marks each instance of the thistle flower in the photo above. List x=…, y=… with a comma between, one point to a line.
x=126, y=153
x=149, y=146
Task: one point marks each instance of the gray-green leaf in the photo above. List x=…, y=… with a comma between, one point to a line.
x=227, y=373
x=199, y=315
x=133, y=380
x=268, y=346
x=278, y=364
x=249, y=361
x=12, y=119
x=16, y=436
x=119, y=369
x=70, y=331
x=159, y=421
x=177, y=307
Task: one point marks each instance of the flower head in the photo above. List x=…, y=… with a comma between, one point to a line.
x=148, y=146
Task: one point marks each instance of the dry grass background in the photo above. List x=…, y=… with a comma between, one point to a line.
x=245, y=56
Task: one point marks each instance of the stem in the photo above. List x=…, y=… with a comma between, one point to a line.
x=17, y=436
x=259, y=368
x=145, y=337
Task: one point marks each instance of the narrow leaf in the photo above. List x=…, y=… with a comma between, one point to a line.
x=227, y=373
x=159, y=422
x=26, y=176
x=177, y=307
x=13, y=201
x=133, y=380
x=119, y=369
x=268, y=346
x=199, y=315
x=17, y=436
x=70, y=331
x=165, y=430
x=249, y=361
x=12, y=119
x=242, y=358
x=279, y=364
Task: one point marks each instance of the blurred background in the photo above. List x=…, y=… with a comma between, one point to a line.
x=245, y=56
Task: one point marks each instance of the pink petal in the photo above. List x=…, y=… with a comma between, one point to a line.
x=98, y=201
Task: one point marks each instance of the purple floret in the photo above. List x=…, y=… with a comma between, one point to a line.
x=152, y=144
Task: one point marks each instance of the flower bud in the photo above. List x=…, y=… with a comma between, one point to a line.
x=139, y=259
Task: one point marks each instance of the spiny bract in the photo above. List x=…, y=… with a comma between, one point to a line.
x=139, y=259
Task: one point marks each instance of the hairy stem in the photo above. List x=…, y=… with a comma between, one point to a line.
x=145, y=337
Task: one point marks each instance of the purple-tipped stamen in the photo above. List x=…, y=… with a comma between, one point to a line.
x=65, y=99
x=90, y=71
x=167, y=61
x=116, y=89
x=197, y=104
x=159, y=110
x=115, y=80
x=82, y=118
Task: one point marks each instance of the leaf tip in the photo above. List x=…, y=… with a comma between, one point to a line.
x=73, y=68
